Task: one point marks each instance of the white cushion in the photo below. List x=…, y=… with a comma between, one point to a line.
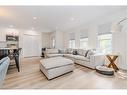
x=54, y=51
x=79, y=57
x=54, y=55
x=63, y=51
x=69, y=55
x=50, y=63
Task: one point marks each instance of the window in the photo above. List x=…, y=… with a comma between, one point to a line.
x=84, y=39
x=72, y=40
x=71, y=43
x=105, y=43
x=53, y=42
x=83, y=43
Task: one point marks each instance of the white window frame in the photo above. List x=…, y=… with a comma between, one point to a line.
x=72, y=43
x=104, y=38
x=84, y=41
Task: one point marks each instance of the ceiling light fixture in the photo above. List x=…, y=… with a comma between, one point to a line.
x=72, y=18
x=34, y=18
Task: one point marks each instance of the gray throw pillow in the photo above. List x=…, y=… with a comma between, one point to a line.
x=80, y=52
x=84, y=52
x=62, y=51
x=75, y=52
x=90, y=52
x=69, y=51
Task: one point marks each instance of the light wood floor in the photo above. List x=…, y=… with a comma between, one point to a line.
x=30, y=77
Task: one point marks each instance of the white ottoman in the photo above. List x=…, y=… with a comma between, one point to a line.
x=56, y=66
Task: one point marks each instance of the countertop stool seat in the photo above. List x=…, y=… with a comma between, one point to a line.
x=105, y=70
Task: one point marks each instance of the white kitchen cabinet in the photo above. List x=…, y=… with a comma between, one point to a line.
x=2, y=35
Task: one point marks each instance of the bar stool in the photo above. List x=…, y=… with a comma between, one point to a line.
x=14, y=56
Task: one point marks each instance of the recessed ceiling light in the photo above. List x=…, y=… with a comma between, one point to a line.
x=72, y=18
x=32, y=28
x=34, y=17
x=11, y=26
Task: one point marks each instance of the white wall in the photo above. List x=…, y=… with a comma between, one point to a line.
x=58, y=39
x=51, y=35
x=119, y=39
x=46, y=40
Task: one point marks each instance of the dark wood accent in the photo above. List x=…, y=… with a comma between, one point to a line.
x=112, y=59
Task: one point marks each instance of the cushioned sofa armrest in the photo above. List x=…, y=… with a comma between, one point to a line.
x=3, y=70
x=97, y=59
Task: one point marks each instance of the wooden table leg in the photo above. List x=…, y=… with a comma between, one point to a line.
x=112, y=62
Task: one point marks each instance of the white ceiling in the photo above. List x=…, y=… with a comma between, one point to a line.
x=51, y=18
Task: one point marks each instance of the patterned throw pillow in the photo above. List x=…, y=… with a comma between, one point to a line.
x=62, y=51
x=75, y=52
x=90, y=52
x=80, y=52
x=84, y=52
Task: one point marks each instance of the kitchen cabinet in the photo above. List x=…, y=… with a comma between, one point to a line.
x=2, y=36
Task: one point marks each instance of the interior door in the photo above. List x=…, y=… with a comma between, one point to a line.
x=30, y=45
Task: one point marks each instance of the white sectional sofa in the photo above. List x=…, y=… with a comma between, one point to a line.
x=88, y=58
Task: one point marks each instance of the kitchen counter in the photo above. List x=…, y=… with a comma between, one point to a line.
x=7, y=48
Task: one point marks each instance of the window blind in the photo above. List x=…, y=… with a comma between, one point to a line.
x=72, y=36
x=84, y=33
x=104, y=29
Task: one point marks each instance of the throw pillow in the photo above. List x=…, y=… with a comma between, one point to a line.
x=80, y=52
x=75, y=52
x=69, y=51
x=84, y=52
x=62, y=51
x=90, y=52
